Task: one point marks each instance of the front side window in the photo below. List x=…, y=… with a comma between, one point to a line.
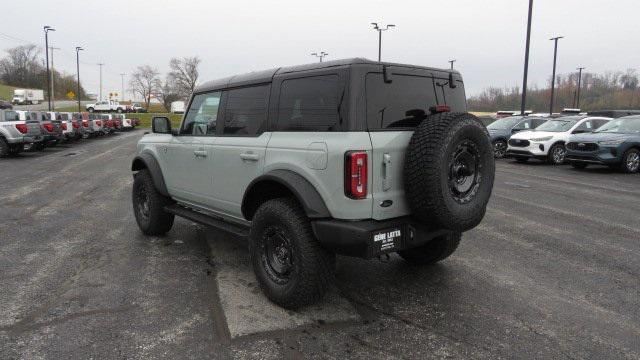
x=310, y=104
x=202, y=117
x=523, y=125
x=246, y=110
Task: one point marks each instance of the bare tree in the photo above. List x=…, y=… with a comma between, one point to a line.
x=184, y=74
x=21, y=67
x=145, y=82
x=168, y=93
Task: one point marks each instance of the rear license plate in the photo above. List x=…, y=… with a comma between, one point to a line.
x=388, y=239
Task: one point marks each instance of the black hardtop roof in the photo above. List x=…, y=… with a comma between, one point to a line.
x=265, y=76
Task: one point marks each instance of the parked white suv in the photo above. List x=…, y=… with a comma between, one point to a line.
x=351, y=157
x=547, y=141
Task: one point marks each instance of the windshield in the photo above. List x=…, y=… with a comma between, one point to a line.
x=622, y=126
x=504, y=123
x=558, y=125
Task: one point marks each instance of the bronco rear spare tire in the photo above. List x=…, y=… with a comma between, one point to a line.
x=449, y=171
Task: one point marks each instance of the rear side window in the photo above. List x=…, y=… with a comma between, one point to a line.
x=246, y=110
x=310, y=104
x=405, y=102
x=11, y=116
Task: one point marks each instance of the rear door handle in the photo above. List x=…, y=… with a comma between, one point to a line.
x=200, y=153
x=250, y=156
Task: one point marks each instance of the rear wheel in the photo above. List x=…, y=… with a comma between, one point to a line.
x=292, y=268
x=149, y=204
x=630, y=161
x=4, y=147
x=499, y=149
x=556, y=154
x=579, y=165
x=90, y=110
x=435, y=250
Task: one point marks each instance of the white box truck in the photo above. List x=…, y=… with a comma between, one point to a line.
x=27, y=96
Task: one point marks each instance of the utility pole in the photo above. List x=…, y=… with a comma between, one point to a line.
x=320, y=55
x=53, y=86
x=451, y=62
x=523, y=103
x=100, y=64
x=48, y=28
x=78, y=49
x=379, y=29
x=553, y=77
x=122, y=75
x=579, y=86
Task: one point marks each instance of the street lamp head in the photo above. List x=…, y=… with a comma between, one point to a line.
x=375, y=26
x=390, y=26
x=78, y=48
x=314, y=54
x=48, y=28
x=557, y=38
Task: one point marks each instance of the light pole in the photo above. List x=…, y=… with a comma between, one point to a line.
x=579, y=86
x=48, y=28
x=320, y=55
x=53, y=86
x=380, y=29
x=523, y=103
x=100, y=64
x=78, y=49
x=451, y=62
x=553, y=77
x=122, y=75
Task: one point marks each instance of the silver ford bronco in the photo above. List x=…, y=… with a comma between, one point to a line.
x=350, y=157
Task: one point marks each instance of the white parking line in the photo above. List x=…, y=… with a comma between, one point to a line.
x=247, y=310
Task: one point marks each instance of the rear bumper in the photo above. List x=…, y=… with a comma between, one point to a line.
x=370, y=238
x=27, y=139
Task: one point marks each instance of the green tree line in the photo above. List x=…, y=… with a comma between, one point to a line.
x=610, y=90
x=23, y=66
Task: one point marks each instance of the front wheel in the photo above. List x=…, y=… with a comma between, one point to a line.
x=119, y=110
x=149, y=204
x=292, y=268
x=435, y=250
x=557, y=154
x=630, y=161
x=499, y=149
x=90, y=110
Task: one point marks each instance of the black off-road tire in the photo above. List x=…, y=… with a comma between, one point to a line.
x=628, y=165
x=4, y=148
x=310, y=267
x=579, y=165
x=152, y=219
x=16, y=149
x=435, y=250
x=437, y=153
x=521, y=159
x=556, y=160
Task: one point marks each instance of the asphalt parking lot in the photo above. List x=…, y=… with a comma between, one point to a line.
x=552, y=272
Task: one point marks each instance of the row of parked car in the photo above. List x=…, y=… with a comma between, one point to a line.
x=35, y=130
x=580, y=140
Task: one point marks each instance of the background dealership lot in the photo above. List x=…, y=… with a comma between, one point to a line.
x=551, y=272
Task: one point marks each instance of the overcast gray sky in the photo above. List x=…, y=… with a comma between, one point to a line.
x=486, y=37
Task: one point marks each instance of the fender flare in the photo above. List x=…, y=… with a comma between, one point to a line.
x=306, y=194
x=148, y=161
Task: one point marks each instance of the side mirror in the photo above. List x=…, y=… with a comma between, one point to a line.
x=161, y=125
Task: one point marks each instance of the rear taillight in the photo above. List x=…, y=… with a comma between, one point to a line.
x=75, y=125
x=85, y=123
x=98, y=123
x=440, y=109
x=355, y=174
x=22, y=128
x=64, y=126
x=48, y=127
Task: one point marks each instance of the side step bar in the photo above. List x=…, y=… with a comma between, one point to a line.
x=200, y=218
